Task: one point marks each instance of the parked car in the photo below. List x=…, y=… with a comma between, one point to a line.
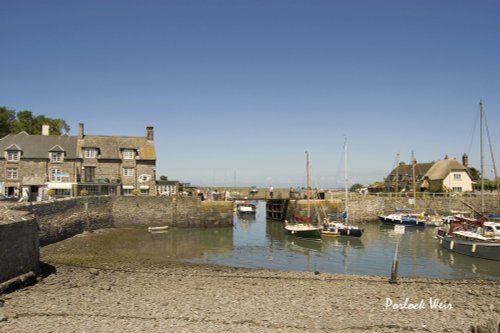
x=253, y=190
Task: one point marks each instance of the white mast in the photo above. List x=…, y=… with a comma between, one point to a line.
x=307, y=184
x=346, y=211
x=482, y=155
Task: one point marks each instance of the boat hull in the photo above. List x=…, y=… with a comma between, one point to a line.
x=351, y=232
x=304, y=232
x=477, y=249
x=393, y=220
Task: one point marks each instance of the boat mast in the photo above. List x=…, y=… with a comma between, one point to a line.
x=346, y=212
x=482, y=155
x=414, y=162
x=307, y=186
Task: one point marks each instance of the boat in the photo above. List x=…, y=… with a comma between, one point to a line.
x=301, y=226
x=246, y=208
x=336, y=228
x=477, y=238
x=155, y=229
x=406, y=219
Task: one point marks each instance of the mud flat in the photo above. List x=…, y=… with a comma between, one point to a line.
x=180, y=297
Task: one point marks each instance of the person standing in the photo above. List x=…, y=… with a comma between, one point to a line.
x=271, y=189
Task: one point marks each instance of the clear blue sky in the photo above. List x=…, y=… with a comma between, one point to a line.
x=238, y=90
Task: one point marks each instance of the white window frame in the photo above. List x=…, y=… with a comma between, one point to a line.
x=90, y=152
x=144, y=191
x=53, y=177
x=128, y=154
x=11, y=173
x=457, y=176
x=13, y=156
x=56, y=156
x=128, y=172
x=127, y=191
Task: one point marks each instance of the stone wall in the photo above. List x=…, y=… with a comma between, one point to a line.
x=363, y=208
x=171, y=211
x=65, y=218
x=19, y=248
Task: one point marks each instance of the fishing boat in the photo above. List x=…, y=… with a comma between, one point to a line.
x=301, y=226
x=337, y=228
x=473, y=237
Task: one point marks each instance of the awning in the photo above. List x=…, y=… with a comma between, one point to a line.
x=128, y=187
x=144, y=187
x=64, y=186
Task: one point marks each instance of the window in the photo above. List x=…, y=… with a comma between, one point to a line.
x=144, y=191
x=457, y=176
x=55, y=175
x=11, y=173
x=90, y=152
x=128, y=172
x=127, y=191
x=56, y=157
x=89, y=174
x=13, y=155
x=457, y=189
x=128, y=154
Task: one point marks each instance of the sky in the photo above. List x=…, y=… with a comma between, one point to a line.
x=239, y=90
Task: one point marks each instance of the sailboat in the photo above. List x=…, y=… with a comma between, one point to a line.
x=301, y=226
x=473, y=237
x=333, y=228
x=405, y=216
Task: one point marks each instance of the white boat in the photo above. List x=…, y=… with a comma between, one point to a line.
x=153, y=229
x=332, y=228
x=301, y=226
x=246, y=208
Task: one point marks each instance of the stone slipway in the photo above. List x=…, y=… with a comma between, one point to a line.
x=198, y=298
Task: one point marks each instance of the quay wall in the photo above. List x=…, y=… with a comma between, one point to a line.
x=61, y=219
x=19, y=248
x=364, y=208
x=180, y=212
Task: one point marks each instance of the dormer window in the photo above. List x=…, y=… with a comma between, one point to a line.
x=90, y=152
x=13, y=156
x=56, y=157
x=128, y=154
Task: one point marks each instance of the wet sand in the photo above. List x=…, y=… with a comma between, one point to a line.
x=182, y=297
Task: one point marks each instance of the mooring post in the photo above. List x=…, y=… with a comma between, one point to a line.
x=398, y=229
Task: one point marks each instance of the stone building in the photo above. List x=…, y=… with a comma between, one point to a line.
x=108, y=165
x=444, y=175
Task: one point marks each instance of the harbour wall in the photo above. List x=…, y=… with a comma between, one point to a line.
x=61, y=219
x=38, y=224
x=19, y=249
x=365, y=208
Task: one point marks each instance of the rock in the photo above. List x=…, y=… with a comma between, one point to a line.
x=94, y=271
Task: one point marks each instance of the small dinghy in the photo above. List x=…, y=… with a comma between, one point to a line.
x=155, y=229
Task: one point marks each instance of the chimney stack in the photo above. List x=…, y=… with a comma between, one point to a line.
x=45, y=129
x=465, y=160
x=80, y=131
x=149, y=133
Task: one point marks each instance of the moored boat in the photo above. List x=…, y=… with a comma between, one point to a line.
x=408, y=220
x=301, y=226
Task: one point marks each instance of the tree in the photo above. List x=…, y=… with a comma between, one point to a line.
x=7, y=116
x=474, y=173
x=356, y=187
x=163, y=178
x=12, y=122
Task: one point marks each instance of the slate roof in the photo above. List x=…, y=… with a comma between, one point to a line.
x=38, y=146
x=110, y=146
